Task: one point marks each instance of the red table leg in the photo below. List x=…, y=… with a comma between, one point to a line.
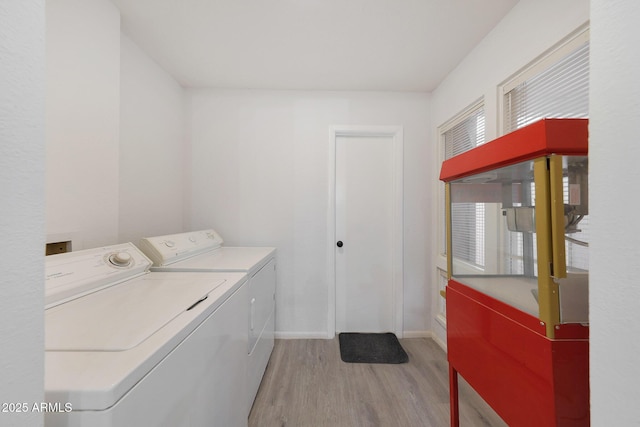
x=453, y=397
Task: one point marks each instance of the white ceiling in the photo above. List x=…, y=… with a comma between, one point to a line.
x=400, y=45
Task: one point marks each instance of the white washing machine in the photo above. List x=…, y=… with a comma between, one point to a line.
x=203, y=251
x=130, y=347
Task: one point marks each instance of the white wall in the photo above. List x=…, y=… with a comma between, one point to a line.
x=151, y=149
x=115, y=131
x=259, y=175
x=530, y=28
x=22, y=123
x=614, y=153
x=83, y=98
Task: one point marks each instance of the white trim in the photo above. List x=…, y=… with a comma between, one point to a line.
x=463, y=115
x=442, y=344
x=396, y=133
x=441, y=319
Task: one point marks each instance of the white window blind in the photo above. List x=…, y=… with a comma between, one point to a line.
x=468, y=219
x=556, y=87
x=560, y=91
x=466, y=135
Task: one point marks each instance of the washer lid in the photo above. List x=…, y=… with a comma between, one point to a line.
x=121, y=317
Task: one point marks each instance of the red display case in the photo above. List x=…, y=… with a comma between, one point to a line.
x=517, y=255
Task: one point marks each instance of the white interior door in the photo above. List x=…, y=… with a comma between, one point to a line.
x=364, y=231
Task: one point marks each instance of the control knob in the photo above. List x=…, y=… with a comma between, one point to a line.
x=120, y=259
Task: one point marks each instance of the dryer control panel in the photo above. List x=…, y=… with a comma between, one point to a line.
x=74, y=274
x=171, y=248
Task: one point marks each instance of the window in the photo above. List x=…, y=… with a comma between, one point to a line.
x=465, y=135
x=560, y=91
x=461, y=134
x=554, y=86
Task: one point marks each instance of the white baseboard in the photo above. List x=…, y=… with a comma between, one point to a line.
x=288, y=335
x=427, y=334
x=438, y=341
x=417, y=334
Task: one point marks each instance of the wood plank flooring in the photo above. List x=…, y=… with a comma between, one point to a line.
x=307, y=385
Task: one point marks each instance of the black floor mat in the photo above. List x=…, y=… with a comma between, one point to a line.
x=371, y=348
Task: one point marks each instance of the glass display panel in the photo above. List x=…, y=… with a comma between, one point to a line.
x=493, y=234
x=494, y=240
x=576, y=205
x=574, y=288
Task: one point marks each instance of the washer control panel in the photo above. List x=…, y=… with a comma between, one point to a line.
x=166, y=250
x=73, y=274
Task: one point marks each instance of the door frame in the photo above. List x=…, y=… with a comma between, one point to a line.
x=397, y=257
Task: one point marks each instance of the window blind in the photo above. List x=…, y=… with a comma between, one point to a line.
x=468, y=219
x=467, y=134
x=562, y=90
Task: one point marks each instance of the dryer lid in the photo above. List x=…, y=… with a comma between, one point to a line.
x=121, y=317
x=226, y=258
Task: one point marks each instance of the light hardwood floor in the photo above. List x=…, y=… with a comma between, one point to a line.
x=307, y=385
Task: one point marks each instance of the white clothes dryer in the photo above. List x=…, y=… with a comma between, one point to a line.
x=203, y=251
x=130, y=347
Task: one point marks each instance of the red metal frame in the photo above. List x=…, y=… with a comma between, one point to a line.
x=547, y=136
